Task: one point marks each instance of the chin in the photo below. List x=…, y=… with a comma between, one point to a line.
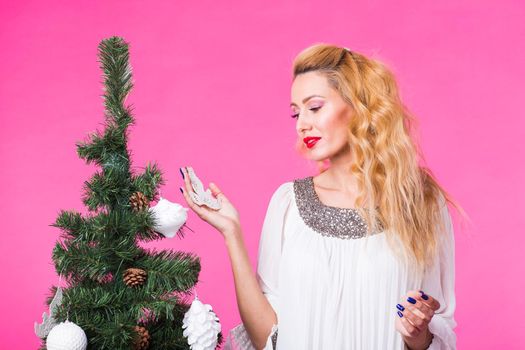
x=318, y=157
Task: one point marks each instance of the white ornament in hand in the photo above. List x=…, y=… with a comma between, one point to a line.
x=199, y=195
x=66, y=336
x=169, y=217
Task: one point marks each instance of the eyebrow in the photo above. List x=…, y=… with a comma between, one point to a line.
x=306, y=99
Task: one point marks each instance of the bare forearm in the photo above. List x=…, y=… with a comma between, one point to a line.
x=256, y=312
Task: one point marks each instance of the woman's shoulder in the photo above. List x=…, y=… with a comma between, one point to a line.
x=287, y=191
x=280, y=201
x=283, y=191
x=289, y=187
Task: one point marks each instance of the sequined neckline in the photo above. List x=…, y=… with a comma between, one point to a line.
x=344, y=223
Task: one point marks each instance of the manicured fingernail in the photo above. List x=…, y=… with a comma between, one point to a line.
x=424, y=296
x=411, y=300
x=400, y=307
x=181, y=191
x=400, y=314
x=180, y=169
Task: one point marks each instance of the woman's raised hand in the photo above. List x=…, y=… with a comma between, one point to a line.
x=225, y=220
x=414, y=314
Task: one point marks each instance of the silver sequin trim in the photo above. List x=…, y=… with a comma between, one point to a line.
x=344, y=223
x=274, y=340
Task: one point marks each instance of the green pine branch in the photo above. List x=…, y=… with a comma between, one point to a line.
x=149, y=181
x=170, y=270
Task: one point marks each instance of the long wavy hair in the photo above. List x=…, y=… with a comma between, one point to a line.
x=396, y=193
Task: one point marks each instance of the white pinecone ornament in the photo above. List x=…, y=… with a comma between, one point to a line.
x=66, y=336
x=201, y=326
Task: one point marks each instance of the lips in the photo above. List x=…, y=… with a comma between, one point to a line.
x=310, y=141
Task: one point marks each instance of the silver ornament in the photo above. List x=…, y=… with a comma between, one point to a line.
x=201, y=326
x=66, y=336
x=199, y=195
x=49, y=321
x=169, y=217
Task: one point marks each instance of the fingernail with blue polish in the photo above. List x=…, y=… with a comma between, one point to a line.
x=400, y=307
x=411, y=300
x=181, y=191
x=400, y=314
x=424, y=296
x=180, y=169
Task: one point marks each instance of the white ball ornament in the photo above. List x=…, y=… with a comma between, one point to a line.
x=169, y=217
x=201, y=326
x=66, y=336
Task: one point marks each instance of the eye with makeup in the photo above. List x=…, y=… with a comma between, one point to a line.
x=296, y=115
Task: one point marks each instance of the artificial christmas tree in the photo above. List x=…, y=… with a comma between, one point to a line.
x=123, y=296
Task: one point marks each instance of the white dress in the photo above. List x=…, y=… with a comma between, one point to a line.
x=332, y=289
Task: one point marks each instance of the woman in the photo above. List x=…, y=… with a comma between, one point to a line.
x=360, y=256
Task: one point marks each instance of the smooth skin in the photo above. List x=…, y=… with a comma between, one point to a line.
x=320, y=111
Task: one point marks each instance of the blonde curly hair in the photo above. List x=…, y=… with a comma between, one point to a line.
x=396, y=193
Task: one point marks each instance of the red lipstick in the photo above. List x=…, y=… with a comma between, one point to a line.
x=310, y=141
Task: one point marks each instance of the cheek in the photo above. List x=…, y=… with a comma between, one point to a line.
x=333, y=130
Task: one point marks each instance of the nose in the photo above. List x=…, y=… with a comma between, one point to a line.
x=302, y=125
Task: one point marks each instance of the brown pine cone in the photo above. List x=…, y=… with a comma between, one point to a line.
x=142, y=339
x=138, y=201
x=134, y=276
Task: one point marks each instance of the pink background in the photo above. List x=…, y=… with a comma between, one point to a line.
x=212, y=88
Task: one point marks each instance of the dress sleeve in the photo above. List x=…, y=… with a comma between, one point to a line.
x=439, y=283
x=269, y=254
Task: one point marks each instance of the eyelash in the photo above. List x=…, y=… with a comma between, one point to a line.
x=312, y=109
